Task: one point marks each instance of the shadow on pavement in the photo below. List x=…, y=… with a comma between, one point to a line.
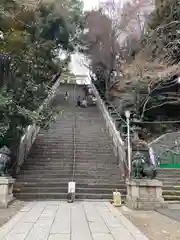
x=173, y=212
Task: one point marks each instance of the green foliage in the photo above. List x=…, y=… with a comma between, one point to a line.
x=164, y=27
x=31, y=43
x=165, y=13
x=48, y=115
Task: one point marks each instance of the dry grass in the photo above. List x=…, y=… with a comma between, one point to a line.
x=145, y=71
x=142, y=69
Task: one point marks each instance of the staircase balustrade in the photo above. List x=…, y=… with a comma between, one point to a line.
x=74, y=138
x=32, y=131
x=114, y=133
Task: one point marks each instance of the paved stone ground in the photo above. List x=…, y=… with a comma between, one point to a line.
x=154, y=225
x=8, y=213
x=63, y=221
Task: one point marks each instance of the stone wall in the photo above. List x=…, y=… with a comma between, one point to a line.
x=117, y=142
x=32, y=130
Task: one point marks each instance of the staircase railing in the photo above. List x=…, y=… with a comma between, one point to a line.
x=32, y=131
x=74, y=137
x=118, y=143
x=169, y=157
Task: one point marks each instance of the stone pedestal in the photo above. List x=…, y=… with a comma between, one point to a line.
x=6, y=191
x=144, y=194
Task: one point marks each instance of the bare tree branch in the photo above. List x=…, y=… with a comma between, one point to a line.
x=162, y=104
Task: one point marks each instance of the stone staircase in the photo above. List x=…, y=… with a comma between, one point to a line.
x=171, y=182
x=49, y=167
x=169, y=176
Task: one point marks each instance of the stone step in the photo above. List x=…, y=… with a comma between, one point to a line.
x=94, y=140
x=56, y=139
x=100, y=159
x=175, y=171
x=84, y=179
x=56, y=136
x=93, y=153
x=85, y=163
x=168, y=170
x=66, y=172
x=79, y=147
x=164, y=179
x=59, y=165
x=84, y=175
x=57, y=168
x=64, y=167
x=51, y=138
x=79, y=155
x=65, y=189
x=171, y=198
x=63, y=196
x=96, y=149
x=172, y=183
x=171, y=187
x=66, y=180
x=119, y=185
x=171, y=192
x=169, y=174
x=50, y=156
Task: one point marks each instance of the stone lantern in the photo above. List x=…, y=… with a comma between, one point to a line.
x=6, y=181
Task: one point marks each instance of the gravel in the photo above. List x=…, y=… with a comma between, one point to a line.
x=154, y=225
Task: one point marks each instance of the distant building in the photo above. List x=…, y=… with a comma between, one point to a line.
x=78, y=66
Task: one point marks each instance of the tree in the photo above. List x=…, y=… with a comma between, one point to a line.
x=111, y=31
x=147, y=55
x=102, y=47
x=153, y=73
x=31, y=43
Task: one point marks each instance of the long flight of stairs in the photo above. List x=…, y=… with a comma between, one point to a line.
x=48, y=169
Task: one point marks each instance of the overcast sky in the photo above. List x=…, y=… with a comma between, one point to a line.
x=89, y=4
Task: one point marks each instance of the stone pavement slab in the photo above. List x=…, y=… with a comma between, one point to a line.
x=58, y=220
x=59, y=237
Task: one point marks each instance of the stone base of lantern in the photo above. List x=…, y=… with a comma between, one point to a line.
x=144, y=194
x=6, y=191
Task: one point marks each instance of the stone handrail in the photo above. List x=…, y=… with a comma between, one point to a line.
x=117, y=142
x=165, y=142
x=32, y=131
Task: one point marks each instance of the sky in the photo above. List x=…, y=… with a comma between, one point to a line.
x=89, y=4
